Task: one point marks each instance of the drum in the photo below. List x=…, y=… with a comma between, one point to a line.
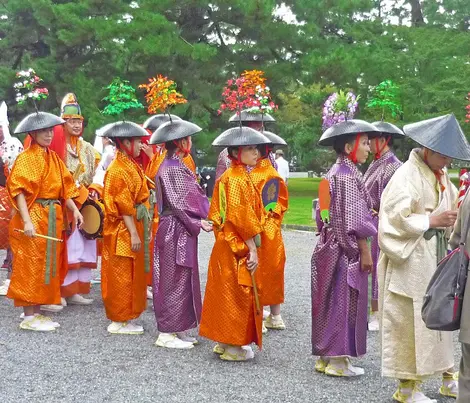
x=93, y=219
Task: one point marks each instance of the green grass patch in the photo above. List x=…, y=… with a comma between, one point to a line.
x=301, y=193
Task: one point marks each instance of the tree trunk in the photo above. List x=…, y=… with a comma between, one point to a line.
x=417, y=18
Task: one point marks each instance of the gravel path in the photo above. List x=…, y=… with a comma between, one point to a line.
x=81, y=362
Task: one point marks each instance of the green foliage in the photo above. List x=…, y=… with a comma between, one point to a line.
x=78, y=46
x=386, y=98
x=121, y=98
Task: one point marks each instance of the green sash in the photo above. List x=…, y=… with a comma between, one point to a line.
x=441, y=241
x=142, y=214
x=51, y=247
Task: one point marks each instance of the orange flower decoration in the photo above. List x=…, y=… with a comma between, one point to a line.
x=161, y=94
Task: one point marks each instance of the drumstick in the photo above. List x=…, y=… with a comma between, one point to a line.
x=255, y=291
x=41, y=236
x=150, y=180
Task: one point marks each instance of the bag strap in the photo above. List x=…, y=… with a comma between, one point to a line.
x=464, y=231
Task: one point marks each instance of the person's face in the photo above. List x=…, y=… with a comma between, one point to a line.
x=106, y=141
x=363, y=148
x=249, y=155
x=74, y=126
x=133, y=146
x=43, y=137
x=437, y=161
x=278, y=156
x=373, y=142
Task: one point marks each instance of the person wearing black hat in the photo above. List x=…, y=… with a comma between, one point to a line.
x=272, y=255
x=417, y=213
x=228, y=311
x=183, y=207
x=126, y=231
x=342, y=260
x=39, y=185
x=376, y=178
x=255, y=121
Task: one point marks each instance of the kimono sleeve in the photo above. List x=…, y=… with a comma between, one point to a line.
x=69, y=188
x=117, y=195
x=400, y=228
x=25, y=177
x=184, y=197
x=352, y=216
x=242, y=205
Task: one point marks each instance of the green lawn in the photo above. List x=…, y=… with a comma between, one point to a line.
x=301, y=193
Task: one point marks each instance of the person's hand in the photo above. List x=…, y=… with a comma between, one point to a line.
x=147, y=150
x=77, y=218
x=366, y=261
x=206, y=225
x=29, y=229
x=93, y=194
x=252, y=262
x=443, y=220
x=136, y=243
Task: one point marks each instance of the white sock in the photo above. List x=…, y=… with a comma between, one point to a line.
x=276, y=317
x=30, y=317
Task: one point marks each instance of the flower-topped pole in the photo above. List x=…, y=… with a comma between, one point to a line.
x=28, y=87
x=161, y=95
x=339, y=107
x=249, y=91
x=121, y=98
x=386, y=98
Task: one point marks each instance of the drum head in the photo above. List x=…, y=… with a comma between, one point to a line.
x=92, y=220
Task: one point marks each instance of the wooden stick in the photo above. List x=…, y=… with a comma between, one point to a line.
x=150, y=180
x=255, y=291
x=42, y=236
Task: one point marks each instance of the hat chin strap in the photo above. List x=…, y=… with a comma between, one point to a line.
x=352, y=156
x=179, y=144
x=438, y=174
x=128, y=150
x=379, y=152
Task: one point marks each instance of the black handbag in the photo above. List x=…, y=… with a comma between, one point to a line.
x=442, y=305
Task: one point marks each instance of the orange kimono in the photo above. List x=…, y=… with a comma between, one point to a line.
x=123, y=272
x=271, y=254
x=39, y=265
x=151, y=171
x=228, y=311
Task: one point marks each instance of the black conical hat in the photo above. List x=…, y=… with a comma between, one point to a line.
x=38, y=121
x=240, y=136
x=347, y=128
x=442, y=135
x=388, y=129
x=274, y=138
x=246, y=116
x=170, y=131
x=155, y=121
x=121, y=130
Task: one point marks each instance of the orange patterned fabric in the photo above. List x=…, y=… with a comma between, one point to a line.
x=5, y=217
x=123, y=278
x=228, y=312
x=271, y=254
x=38, y=173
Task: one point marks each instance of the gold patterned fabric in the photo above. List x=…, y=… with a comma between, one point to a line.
x=271, y=254
x=81, y=156
x=228, y=312
x=38, y=174
x=408, y=259
x=123, y=277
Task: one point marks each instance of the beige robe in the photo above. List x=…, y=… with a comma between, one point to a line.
x=407, y=262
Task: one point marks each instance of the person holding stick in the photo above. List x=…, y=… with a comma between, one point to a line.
x=231, y=313
x=39, y=185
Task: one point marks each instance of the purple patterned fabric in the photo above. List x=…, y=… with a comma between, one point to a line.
x=223, y=162
x=339, y=287
x=376, y=178
x=272, y=158
x=176, y=286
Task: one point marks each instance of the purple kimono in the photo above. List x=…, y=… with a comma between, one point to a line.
x=223, y=162
x=176, y=288
x=376, y=178
x=339, y=287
